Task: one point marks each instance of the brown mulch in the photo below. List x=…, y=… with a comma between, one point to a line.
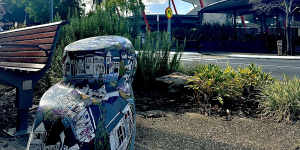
x=193, y=131
x=174, y=122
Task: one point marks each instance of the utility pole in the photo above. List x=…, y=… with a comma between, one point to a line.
x=157, y=19
x=51, y=10
x=169, y=24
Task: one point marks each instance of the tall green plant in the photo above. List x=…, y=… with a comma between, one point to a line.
x=153, y=59
x=282, y=99
x=100, y=22
x=154, y=51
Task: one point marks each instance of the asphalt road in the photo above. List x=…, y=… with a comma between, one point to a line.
x=277, y=67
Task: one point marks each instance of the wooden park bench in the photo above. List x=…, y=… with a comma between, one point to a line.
x=25, y=56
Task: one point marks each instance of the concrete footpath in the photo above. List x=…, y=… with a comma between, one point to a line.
x=248, y=55
x=263, y=56
x=241, y=55
x=276, y=65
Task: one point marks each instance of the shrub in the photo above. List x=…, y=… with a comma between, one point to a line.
x=98, y=23
x=104, y=21
x=154, y=52
x=282, y=99
x=229, y=88
x=153, y=59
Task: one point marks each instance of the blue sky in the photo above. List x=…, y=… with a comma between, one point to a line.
x=159, y=6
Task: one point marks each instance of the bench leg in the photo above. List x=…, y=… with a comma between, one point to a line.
x=23, y=103
x=22, y=122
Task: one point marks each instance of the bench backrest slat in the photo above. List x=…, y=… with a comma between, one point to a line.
x=38, y=60
x=28, y=37
x=26, y=70
x=27, y=48
x=34, y=42
x=29, y=32
x=24, y=54
x=14, y=49
x=22, y=65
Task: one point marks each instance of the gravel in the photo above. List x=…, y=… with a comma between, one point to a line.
x=192, y=131
x=159, y=129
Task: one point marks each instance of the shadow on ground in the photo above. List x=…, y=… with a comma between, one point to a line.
x=158, y=139
x=175, y=123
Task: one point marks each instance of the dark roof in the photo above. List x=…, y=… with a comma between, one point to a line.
x=239, y=6
x=227, y=6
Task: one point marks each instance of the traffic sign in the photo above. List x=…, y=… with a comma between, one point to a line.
x=169, y=13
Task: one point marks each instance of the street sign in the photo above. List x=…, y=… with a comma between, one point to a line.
x=169, y=13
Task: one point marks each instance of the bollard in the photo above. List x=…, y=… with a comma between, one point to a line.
x=93, y=107
x=279, y=48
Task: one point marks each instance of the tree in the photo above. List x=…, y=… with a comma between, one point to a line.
x=38, y=10
x=132, y=8
x=285, y=6
x=97, y=2
x=15, y=11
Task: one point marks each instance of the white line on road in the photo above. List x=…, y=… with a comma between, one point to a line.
x=186, y=59
x=261, y=65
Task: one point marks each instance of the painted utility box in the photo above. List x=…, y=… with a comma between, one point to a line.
x=93, y=107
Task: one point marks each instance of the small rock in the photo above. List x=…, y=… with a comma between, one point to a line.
x=241, y=114
x=11, y=139
x=145, y=107
x=153, y=114
x=10, y=132
x=172, y=101
x=5, y=145
x=175, y=81
x=144, y=100
x=170, y=114
x=194, y=115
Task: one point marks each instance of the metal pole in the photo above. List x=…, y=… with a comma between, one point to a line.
x=51, y=10
x=234, y=25
x=157, y=19
x=169, y=24
x=25, y=19
x=234, y=19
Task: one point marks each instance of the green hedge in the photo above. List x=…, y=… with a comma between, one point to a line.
x=229, y=88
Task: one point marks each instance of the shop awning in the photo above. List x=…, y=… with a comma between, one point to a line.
x=228, y=6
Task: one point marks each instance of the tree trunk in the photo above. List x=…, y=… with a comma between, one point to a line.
x=287, y=35
x=288, y=32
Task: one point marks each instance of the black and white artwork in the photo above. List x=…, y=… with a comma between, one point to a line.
x=93, y=107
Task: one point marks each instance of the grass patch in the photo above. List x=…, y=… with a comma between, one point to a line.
x=282, y=99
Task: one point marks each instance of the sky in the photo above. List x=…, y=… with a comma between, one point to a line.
x=159, y=6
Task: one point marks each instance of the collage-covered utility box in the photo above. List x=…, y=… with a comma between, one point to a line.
x=93, y=107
